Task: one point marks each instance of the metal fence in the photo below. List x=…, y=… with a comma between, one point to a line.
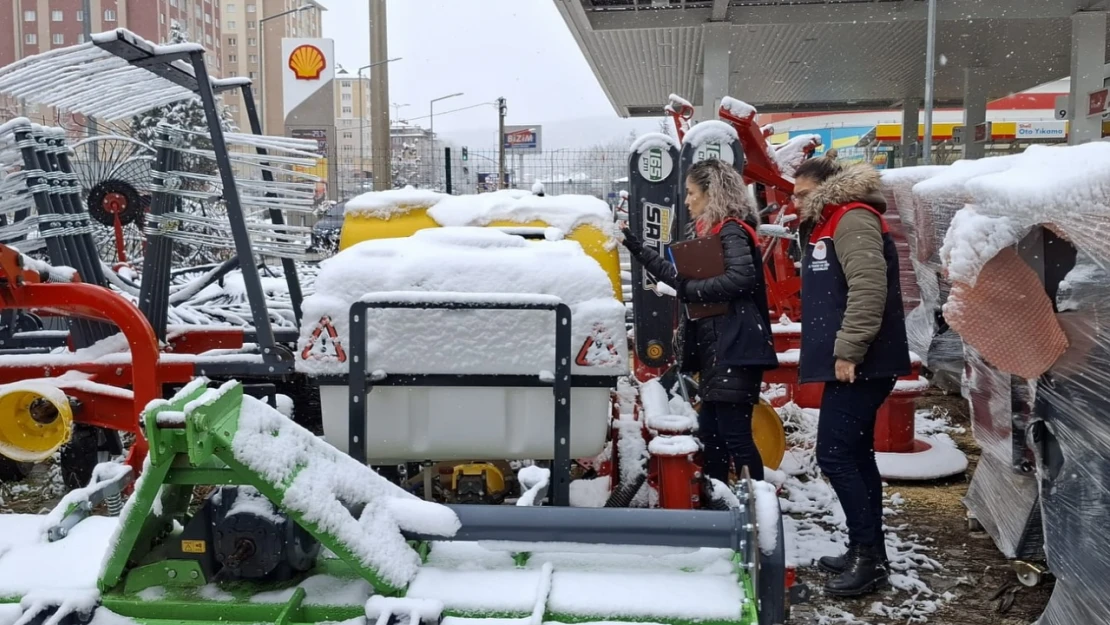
x=600, y=173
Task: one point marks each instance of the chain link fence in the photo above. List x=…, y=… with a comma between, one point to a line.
x=600, y=173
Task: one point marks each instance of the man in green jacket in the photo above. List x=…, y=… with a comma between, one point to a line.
x=854, y=341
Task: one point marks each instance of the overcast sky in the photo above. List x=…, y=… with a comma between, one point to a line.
x=521, y=50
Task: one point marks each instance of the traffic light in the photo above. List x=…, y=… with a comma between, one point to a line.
x=465, y=154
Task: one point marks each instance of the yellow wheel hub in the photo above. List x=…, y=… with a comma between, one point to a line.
x=35, y=420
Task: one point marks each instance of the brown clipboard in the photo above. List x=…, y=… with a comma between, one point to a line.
x=700, y=259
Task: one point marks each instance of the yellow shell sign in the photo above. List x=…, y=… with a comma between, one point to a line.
x=307, y=62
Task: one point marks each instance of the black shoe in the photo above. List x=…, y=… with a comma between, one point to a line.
x=865, y=573
x=837, y=564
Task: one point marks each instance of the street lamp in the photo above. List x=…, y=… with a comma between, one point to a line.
x=432, y=128
x=362, y=111
x=262, y=53
x=397, y=110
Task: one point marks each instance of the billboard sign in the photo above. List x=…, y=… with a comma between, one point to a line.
x=983, y=132
x=308, y=65
x=1096, y=102
x=524, y=138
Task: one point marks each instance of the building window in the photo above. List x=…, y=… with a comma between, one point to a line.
x=30, y=39
x=230, y=8
x=346, y=110
x=80, y=16
x=57, y=16
x=231, y=41
x=231, y=58
x=81, y=38
x=230, y=25
x=109, y=15
x=196, y=11
x=207, y=18
x=251, y=24
x=29, y=16
x=252, y=75
x=208, y=38
x=253, y=58
x=250, y=8
x=251, y=41
x=58, y=39
x=346, y=84
x=348, y=135
x=346, y=97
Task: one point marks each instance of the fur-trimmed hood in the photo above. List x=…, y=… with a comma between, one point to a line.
x=853, y=183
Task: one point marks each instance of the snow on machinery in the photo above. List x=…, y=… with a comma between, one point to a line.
x=115, y=76
x=295, y=531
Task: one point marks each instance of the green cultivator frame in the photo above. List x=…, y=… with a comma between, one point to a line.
x=237, y=500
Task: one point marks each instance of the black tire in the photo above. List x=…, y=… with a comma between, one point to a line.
x=12, y=471
x=772, y=581
x=80, y=455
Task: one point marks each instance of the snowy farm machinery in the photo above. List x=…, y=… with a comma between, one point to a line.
x=113, y=77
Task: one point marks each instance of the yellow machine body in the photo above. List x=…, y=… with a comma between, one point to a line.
x=35, y=421
x=494, y=479
x=358, y=228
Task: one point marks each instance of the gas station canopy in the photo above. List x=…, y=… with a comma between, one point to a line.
x=817, y=55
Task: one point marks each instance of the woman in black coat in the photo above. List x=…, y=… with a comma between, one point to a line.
x=730, y=351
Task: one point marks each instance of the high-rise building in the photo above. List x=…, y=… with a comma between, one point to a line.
x=36, y=26
x=41, y=25
x=352, y=126
x=252, y=34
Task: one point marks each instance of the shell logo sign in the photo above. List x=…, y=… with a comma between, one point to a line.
x=307, y=62
x=306, y=81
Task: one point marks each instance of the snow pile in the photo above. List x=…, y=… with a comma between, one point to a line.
x=652, y=140
x=792, y=154
x=737, y=108
x=595, y=582
x=28, y=563
x=394, y=202
x=533, y=481
x=103, y=475
x=975, y=239
x=565, y=212
x=709, y=132
x=480, y=263
x=663, y=414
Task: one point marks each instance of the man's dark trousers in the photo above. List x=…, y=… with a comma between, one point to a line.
x=846, y=453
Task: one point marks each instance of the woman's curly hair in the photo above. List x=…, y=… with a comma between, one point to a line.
x=725, y=191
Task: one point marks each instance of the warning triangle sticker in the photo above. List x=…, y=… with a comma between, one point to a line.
x=599, y=349
x=324, y=343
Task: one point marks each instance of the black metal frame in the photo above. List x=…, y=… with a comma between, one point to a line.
x=359, y=385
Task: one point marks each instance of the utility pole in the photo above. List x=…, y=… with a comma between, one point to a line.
x=379, y=93
x=502, y=110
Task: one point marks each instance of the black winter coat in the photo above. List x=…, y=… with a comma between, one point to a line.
x=730, y=351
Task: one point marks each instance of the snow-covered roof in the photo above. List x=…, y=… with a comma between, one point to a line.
x=98, y=77
x=480, y=263
x=565, y=212
x=711, y=131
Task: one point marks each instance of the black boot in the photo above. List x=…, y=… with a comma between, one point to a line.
x=865, y=573
x=837, y=564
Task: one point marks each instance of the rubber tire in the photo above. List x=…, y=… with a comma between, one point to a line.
x=80, y=455
x=772, y=581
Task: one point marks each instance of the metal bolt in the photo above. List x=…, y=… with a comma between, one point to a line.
x=171, y=573
x=697, y=475
x=119, y=370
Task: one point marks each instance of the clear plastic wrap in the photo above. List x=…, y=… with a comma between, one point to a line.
x=923, y=225
x=1036, y=227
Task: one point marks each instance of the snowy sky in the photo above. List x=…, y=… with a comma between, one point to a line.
x=521, y=50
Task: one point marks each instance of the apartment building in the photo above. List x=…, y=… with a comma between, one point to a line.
x=36, y=26
x=251, y=47
x=352, y=125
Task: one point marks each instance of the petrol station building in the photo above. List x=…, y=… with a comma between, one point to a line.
x=854, y=71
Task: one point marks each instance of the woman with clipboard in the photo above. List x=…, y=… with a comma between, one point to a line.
x=725, y=329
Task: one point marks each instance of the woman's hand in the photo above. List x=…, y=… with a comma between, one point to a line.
x=845, y=370
x=631, y=242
